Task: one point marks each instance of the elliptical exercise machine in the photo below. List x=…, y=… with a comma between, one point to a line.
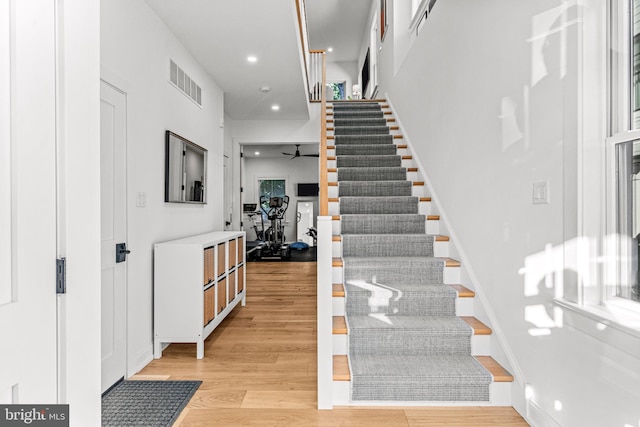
x=274, y=245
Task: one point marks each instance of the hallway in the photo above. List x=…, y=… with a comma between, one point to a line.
x=259, y=367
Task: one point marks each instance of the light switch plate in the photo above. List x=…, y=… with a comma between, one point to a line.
x=141, y=201
x=540, y=193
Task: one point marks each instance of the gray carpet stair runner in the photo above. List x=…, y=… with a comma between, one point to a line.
x=405, y=341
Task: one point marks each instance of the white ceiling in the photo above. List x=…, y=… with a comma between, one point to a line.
x=222, y=34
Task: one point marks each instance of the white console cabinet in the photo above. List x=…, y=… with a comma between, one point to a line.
x=197, y=281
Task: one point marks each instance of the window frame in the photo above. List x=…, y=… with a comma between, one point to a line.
x=259, y=194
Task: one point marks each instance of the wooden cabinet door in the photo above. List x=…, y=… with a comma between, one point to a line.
x=232, y=253
x=241, y=278
x=209, y=304
x=222, y=258
x=232, y=285
x=208, y=266
x=222, y=295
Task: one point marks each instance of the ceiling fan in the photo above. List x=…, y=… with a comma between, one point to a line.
x=297, y=153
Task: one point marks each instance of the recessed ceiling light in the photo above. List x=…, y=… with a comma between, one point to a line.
x=329, y=49
x=275, y=107
x=257, y=153
x=252, y=59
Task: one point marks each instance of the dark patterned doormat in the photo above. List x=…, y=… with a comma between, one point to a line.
x=146, y=403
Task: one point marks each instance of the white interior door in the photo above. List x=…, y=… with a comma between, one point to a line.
x=113, y=197
x=27, y=202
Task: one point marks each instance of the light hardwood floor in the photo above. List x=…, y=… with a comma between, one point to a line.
x=259, y=367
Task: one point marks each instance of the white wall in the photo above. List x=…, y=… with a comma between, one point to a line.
x=135, y=51
x=491, y=97
x=300, y=170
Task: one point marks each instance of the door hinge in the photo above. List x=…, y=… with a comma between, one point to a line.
x=241, y=223
x=241, y=155
x=61, y=275
x=241, y=189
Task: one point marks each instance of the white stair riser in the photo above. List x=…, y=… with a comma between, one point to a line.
x=340, y=344
x=337, y=306
x=424, y=208
x=336, y=275
x=451, y=275
x=433, y=226
x=417, y=191
x=333, y=192
x=464, y=307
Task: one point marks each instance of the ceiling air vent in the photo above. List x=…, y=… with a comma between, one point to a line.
x=182, y=81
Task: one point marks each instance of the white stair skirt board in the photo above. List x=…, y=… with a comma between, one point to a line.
x=499, y=395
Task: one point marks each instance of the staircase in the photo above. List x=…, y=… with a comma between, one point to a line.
x=403, y=325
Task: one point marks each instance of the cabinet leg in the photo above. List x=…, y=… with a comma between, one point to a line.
x=157, y=349
x=200, y=349
x=244, y=299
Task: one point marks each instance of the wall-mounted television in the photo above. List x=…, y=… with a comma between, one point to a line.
x=308, y=190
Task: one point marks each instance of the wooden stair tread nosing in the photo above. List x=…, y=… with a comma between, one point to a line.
x=336, y=262
x=441, y=238
x=478, y=327
x=433, y=217
x=500, y=375
x=462, y=291
x=407, y=157
x=425, y=199
x=450, y=262
x=333, y=200
x=333, y=184
x=339, y=325
x=412, y=169
x=418, y=183
x=341, y=368
x=337, y=290
x=403, y=146
x=331, y=157
x=332, y=170
x=335, y=217
x=336, y=238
